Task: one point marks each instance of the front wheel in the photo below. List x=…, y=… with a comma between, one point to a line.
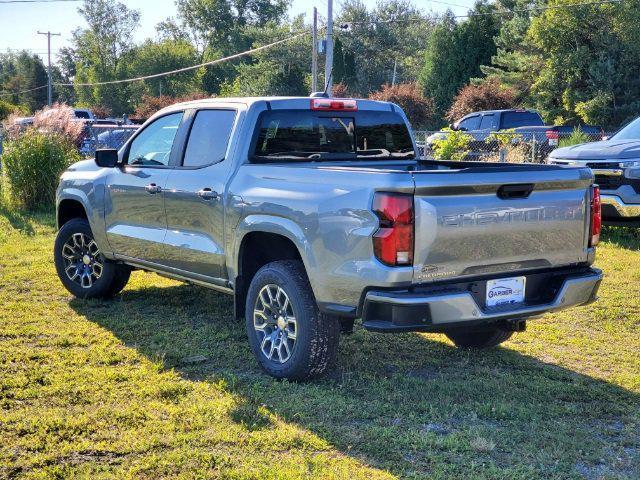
x=82, y=268
x=479, y=338
x=288, y=335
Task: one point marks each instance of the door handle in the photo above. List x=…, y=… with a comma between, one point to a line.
x=208, y=194
x=153, y=188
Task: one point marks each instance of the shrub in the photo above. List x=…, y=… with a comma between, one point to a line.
x=420, y=110
x=101, y=111
x=488, y=95
x=59, y=119
x=577, y=136
x=452, y=147
x=340, y=90
x=32, y=164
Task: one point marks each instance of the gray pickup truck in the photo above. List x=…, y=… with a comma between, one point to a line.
x=615, y=163
x=314, y=212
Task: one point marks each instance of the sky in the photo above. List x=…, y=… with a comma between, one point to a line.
x=20, y=22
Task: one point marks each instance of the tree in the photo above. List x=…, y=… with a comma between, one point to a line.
x=486, y=95
x=517, y=62
x=591, y=63
x=101, y=49
x=373, y=40
x=154, y=57
x=455, y=53
x=219, y=28
x=21, y=72
x=418, y=108
x=574, y=64
x=266, y=78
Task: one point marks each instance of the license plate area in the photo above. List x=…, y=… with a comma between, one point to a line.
x=505, y=291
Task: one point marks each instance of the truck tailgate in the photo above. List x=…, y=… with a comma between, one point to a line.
x=481, y=221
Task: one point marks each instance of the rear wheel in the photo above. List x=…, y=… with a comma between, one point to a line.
x=287, y=333
x=81, y=266
x=479, y=338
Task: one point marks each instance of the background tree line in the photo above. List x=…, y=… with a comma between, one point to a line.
x=572, y=63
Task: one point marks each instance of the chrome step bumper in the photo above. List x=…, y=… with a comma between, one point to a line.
x=406, y=311
x=623, y=209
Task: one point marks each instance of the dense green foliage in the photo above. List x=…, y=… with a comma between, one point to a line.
x=21, y=71
x=32, y=164
x=574, y=63
x=455, y=52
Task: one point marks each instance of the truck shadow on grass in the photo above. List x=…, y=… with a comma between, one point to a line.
x=409, y=404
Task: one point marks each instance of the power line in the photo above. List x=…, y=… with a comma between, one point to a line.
x=163, y=74
x=186, y=69
x=22, y=91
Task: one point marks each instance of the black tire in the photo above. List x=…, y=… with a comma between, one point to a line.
x=113, y=277
x=316, y=334
x=479, y=338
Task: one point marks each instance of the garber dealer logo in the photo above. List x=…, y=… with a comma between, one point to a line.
x=499, y=291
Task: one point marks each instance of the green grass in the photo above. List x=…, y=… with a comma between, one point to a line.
x=95, y=389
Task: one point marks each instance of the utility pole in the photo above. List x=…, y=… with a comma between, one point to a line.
x=314, y=53
x=395, y=65
x=49, y=80
x=328, y=66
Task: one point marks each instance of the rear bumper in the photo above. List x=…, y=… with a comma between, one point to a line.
x=614, y=207
x=389, y=311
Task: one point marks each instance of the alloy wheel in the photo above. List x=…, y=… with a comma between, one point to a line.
x=275, y=323
x=83, y=262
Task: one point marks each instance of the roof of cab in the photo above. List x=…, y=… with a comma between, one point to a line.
x=274, y=102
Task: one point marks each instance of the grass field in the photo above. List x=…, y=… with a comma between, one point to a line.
x=97, y=389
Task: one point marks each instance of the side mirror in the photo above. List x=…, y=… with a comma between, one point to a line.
x=107, y=157
x=452, y=126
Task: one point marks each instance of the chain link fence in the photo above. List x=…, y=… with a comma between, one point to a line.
x=105, y=136
x=507, y=146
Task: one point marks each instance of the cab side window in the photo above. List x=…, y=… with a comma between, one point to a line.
x=471, y=123
x=209, y=137
x=153, y=146
x=487, y=122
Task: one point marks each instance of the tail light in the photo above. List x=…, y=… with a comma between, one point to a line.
x=596, y=216
x=552, y=136
x=334, y=104
x=393, y=241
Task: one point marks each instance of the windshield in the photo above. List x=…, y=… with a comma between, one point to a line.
x=521, y=119
x=630, y=132
x=311, y=135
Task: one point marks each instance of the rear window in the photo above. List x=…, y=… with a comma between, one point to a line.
x=82, y=114
x=299, y=135
x=521, y=119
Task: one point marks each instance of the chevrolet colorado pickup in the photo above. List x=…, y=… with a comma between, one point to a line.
x=313, y=212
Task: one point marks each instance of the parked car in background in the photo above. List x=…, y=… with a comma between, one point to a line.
x=313, y=212
x=616, y=165
x=83, y=114
x=527, y=126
